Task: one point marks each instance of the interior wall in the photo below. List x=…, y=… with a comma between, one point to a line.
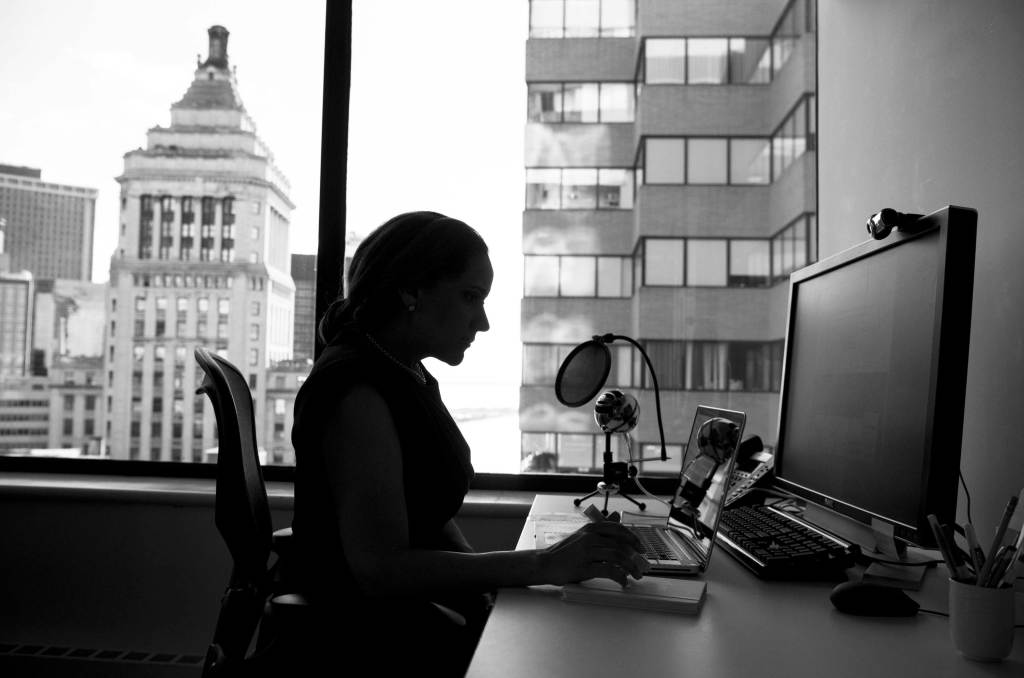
x=921, y=105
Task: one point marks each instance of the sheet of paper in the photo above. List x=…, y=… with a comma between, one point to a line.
x=551, y=528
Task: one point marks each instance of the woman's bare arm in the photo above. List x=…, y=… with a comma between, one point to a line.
x=364, y=467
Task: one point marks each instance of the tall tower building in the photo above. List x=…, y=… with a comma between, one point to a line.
x=202, y=259
x=671, y=189
x=48, y=228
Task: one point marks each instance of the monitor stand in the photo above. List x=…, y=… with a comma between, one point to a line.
x=876, y=540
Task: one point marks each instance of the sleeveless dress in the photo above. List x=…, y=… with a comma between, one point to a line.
x=436, y=474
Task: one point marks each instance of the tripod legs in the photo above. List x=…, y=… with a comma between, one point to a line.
x=607, y=489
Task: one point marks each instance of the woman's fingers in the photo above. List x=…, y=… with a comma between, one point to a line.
x=614, y=531
x=615, y=545
x=611, y=571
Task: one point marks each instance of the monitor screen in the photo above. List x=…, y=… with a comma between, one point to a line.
x=874, y=377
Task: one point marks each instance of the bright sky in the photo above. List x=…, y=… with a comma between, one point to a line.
x=436, y=122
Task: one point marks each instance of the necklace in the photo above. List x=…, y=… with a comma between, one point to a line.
x=416, y=372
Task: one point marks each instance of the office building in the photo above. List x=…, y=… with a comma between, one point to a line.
x=24, y=414
x=275, y=437
x=48, y=228
x=76, y=405
x=17, y=294
x=68, y=322
x=201, y=259
x=304, y=275
x=670, y=190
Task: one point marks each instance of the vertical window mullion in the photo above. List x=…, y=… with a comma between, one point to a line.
x=686, y=247
x=728, y=161
x=686, y=163
x=686, y=61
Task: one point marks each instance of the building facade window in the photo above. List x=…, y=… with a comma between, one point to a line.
x=579, y=188
x=597, y=102
x=577, y=276
x=582, y=18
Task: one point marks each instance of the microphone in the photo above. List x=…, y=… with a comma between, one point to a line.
x=584, y=372
x=616, y=412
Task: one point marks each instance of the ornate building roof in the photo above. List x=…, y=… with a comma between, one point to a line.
x=214, y=84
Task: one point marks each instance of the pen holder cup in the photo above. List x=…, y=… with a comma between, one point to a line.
x=981, y=620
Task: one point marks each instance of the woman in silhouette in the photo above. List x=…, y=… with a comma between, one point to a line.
x=382, y=469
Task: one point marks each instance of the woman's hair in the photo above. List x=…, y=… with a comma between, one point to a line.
x=411, y=251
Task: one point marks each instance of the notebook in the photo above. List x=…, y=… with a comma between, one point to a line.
x=681, y=543
x=681, y=596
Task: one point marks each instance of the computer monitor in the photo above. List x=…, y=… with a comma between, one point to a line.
x=874, y=377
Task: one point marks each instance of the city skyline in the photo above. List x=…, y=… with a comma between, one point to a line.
x=76, y=100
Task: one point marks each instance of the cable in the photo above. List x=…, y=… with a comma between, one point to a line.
x=636, y=478
x=935, y=612
x=923, y=563
x=967, y=494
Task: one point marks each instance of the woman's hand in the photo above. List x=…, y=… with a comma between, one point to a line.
x=604, y=549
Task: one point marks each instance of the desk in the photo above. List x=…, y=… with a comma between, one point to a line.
x=748, y=627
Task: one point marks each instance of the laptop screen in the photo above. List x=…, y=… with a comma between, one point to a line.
x=705, y=474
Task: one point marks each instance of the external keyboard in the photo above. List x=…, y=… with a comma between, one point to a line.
x=774, y=545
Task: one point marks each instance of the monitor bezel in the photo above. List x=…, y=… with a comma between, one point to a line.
x=940, y=473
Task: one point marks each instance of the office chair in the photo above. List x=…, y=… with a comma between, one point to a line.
x=242, y=516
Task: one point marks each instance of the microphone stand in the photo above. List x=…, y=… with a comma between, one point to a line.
x=615, y=472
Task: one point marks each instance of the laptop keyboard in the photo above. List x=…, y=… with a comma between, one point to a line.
x=774, y=547
x=653, y=542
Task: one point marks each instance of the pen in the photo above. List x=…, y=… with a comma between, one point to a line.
x=1004, y=522
x=956, y=571
x=1011, y=569
x=1011, y=566
x=977, y=554
x=995, y=573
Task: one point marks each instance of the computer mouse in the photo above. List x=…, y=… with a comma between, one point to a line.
x=872, y=600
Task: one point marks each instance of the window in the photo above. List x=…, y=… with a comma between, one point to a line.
x=663, y=261
x=706, y=263
x=541, y=276
x=665, y=61
x=617, y=227
x=749, y=161
x=577, y=277
x=749, y=263
x=580, y=102
x=706, y=161
x=664, y=161
x=581, y=18
x=707, y=61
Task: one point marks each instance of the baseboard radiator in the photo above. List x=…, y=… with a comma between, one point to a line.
x=137, y=657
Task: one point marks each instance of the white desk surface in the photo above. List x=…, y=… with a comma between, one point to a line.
x=748, y=627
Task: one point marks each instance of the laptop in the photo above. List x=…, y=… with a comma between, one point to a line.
x=680, y=544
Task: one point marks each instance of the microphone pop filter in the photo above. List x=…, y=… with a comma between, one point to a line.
x=583, y=373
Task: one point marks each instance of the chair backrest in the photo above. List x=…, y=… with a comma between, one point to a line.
x=242, y=509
